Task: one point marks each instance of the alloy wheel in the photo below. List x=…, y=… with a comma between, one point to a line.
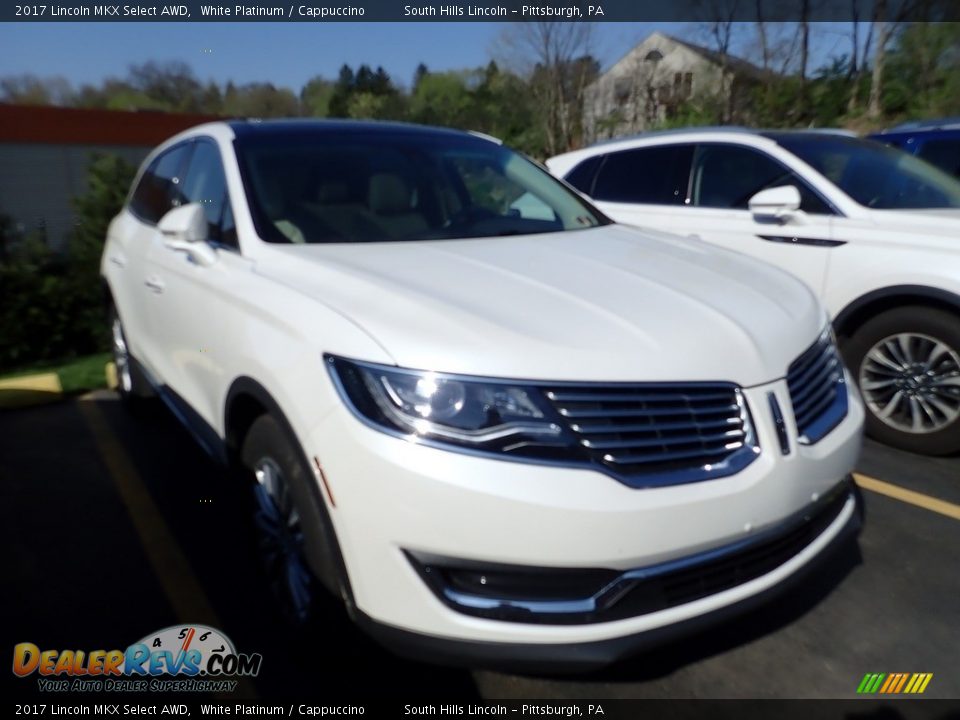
x=281, y=540
x=121, y=357
x=911, y=382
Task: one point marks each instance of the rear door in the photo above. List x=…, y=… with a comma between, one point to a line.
x=644, y=186
x=193, y=316
x=135, y=292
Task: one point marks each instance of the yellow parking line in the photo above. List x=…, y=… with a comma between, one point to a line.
x=908, y=496
x=170, y=565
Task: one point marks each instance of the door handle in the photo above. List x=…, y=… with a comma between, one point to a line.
x=118, y=260
x=155, y=284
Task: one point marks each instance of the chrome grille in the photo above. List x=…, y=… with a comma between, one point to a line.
x=660, y=434
x=817, y=389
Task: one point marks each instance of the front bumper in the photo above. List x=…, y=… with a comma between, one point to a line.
x=588, y=656
x=396, y=499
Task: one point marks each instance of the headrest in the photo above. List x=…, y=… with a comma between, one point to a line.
x=332, y=192
x=388, y=193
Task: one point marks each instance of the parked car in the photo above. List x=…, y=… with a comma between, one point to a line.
x=936, y=141
x=873, y=231
x=498, y=430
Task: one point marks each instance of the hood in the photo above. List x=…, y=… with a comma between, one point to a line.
x=609, y=303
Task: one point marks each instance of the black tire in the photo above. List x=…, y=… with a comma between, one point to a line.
x=295, y=540
x=899, y=360
x=132, y=386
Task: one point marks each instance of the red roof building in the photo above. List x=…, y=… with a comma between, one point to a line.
x=45, y=153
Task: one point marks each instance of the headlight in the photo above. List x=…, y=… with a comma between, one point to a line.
x=464, y=411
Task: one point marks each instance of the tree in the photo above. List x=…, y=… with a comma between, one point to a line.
x=29, y=89
x=443, y=99
x=108, y=179
x=720, y=27
x=923, y=64
x=262, y=100
x=340, y=97
x=555, y=58
x=315, y=97
x=367, y=93
x=858, y=56
x=53, y=303
x=211, y=101
x=171, y=85
x=418, y=75
x=882, y=31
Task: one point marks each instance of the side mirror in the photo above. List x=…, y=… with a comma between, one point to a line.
x=185, y=229
x=776, y=202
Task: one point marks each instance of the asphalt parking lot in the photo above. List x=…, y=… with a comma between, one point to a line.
x=117, y=525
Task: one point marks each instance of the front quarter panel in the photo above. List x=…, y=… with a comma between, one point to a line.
x=876, y=258
x=277, y=337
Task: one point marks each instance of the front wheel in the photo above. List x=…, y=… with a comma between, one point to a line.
x=289, y=521
x=131, y=384
x=906, y=362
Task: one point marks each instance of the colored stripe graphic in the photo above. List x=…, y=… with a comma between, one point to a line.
x=894, y=683
x=891, y=680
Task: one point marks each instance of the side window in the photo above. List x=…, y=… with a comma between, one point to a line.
x=945, y=154
x=727, y=176
x=653, y=176
x=206, y=183
x=159, y=187
x=581, y=177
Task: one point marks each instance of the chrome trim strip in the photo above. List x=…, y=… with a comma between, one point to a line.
x=779, y=424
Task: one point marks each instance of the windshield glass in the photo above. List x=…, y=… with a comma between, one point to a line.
x=875, y=175
x=373, y=186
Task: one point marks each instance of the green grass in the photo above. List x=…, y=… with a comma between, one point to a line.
x=76, y=375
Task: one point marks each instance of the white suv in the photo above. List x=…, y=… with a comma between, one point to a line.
x=873, y=231
x=497, y=425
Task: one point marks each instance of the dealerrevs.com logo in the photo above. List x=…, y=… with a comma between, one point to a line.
x=191, y=658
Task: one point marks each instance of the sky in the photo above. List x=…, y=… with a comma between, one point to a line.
x=289, y=54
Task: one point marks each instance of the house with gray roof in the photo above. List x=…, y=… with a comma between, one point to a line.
x=660, y=77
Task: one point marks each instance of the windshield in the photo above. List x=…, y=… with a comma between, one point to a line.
x=875, y=175
x=374, y=186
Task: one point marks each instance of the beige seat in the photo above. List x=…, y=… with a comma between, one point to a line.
x=392, y=202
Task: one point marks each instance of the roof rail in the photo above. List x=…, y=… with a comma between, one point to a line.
x=939, y=124
x=733, y=129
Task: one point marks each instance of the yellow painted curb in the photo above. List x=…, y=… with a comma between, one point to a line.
x=110, y=372
x=30, y=390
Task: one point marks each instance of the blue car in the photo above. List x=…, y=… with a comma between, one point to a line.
x=936, y=141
